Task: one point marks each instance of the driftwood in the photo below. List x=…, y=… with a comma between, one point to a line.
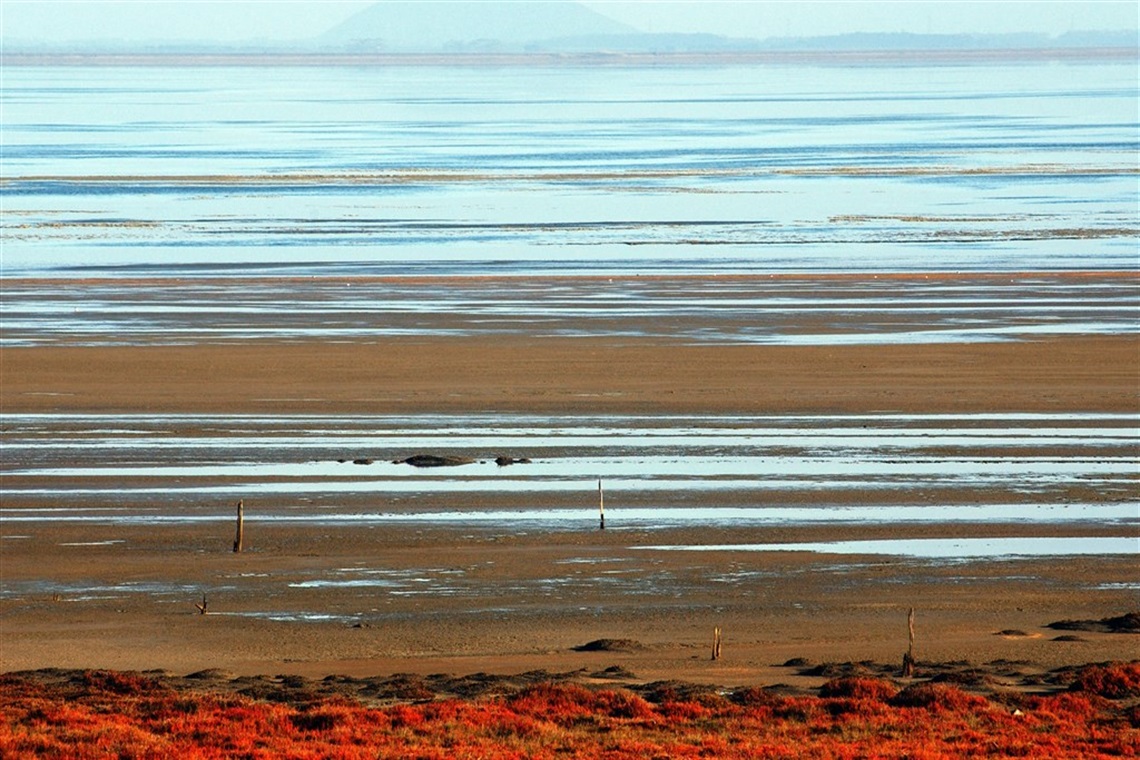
x=201, y=607
x=908, y=658
x=601, y=508
x=239, y=538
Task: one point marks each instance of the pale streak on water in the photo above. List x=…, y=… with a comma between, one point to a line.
x=475, y=170
x=182, y=205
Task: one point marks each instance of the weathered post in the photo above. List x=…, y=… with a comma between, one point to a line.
x=240, y=537
x=601, y=508
x=202, y=607
x=908, y=658
x=716, y=643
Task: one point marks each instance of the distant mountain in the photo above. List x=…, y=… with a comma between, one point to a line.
x=440, y=28
x=468, y=26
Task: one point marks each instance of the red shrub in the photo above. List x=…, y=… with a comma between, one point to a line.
x=754, y=696
x=559, y=704
x=1114, y=680
x=687, y=712
x=567, y=703
x=622, y=704
x=405, y=716
x=935, y=721
x=115, y=682
x=935, y=696
x=858, y=688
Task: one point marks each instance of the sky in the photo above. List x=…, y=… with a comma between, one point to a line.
x=235, y=20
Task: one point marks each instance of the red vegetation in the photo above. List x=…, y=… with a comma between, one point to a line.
x=858, y=688
x=1111, y=681
x=100, y=715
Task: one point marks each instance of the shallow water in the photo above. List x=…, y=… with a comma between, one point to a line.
x=787, y=311
x=640, y=518
x=457, y=170
x=656, y=470
x=183, y=183
x=943, y=548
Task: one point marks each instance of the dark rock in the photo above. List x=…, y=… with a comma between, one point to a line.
x=504, y=461
x=610, y=645
x=362, y=461
x=436, y=460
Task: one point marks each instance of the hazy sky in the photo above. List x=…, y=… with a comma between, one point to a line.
x=228, y=20
x=800, y=18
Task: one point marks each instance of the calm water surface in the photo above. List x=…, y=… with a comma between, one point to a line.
x=394, y=170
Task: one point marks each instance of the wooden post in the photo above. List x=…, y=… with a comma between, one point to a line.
x=601, y=508
x=202, y=607
x=716, y=643
x=908, y=658
x=240, y=537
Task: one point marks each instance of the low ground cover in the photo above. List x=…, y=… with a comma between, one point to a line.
x=99, y=714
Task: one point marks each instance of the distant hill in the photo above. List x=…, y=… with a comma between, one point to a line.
x=470, y=26
x=479, y=28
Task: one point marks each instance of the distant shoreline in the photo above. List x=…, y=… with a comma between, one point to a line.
x=961, y=56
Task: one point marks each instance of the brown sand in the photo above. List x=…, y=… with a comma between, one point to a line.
x=576, y=375
x=511, y=614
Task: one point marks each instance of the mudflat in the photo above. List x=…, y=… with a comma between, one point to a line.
x=505, y=599
x=576, y=375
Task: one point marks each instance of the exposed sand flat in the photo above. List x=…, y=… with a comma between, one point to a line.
x=576, y=375
x=321, y=600
x=326, y=598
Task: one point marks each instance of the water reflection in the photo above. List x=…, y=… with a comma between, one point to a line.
x=618, y=518
x=174, y=457
x=941, y=548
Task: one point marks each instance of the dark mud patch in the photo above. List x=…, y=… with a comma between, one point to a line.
x=1127, y=623
x=611, y=645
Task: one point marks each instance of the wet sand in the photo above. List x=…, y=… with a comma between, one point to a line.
x=576, y=375
x=507, y=599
